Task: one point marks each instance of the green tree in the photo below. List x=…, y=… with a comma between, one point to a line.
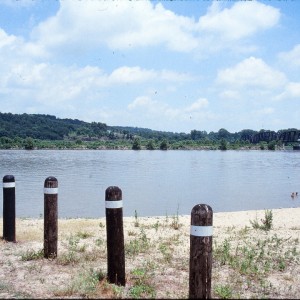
x=262, y=146
x=223, y=134
x=163, y=145
x=223, y=145
x=271, y=145
x=136, y=144
x=29, y=143
x=150, y=145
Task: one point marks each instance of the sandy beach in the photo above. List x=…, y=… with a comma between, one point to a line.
x=248, y=262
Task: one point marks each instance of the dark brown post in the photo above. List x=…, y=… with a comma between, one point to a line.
x=200, y=252
x=50, y=217
x=9, y=208
x=115, y=236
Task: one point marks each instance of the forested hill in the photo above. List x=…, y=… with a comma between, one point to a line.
x=48, y=127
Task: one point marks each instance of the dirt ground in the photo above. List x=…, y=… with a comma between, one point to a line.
x=247, y=262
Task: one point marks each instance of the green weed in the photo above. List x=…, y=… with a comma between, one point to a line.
x=224, y=291
x=136, y=222
x=266, y=223
x=32, y=255
x=140, y=244
x=142, y=287
x=175, y=222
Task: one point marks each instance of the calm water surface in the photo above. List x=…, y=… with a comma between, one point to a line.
x=153, y=182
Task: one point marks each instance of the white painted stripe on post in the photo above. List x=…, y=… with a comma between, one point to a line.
x=51, y=191
x=201, y=230
x=9, y=184
x=114, y=204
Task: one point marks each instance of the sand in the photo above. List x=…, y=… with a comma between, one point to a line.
x=157, y=258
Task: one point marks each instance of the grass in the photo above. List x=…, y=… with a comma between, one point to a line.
x=258, y=257
x=84, y=284
x=251, y=259
x=245, y=261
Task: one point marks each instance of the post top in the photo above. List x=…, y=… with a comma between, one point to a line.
x=51, y=182
x=8, y=178
x=202, y=215
x=51, y=178
x=113, y=193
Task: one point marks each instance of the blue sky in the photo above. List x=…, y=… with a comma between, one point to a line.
x=165, y=65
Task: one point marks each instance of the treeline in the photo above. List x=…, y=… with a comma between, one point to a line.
x=29, y=131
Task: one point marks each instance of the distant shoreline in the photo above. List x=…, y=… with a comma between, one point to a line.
x=208, y=148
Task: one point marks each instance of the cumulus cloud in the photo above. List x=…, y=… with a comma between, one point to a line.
x=5, y=39
x=292, y=90
x=131, y=74
x=154, y=107
x=142, y=101
x=252, y=72
x=230, y=94
x=197, y=105
x=38, y=75
x=291, y=57
x=116, y=24
x=127, y=25
x=241, y=20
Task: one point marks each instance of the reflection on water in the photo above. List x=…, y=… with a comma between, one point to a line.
x=153, y=182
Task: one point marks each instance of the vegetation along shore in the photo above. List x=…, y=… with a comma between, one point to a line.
x=256, y=254
x=36, y=131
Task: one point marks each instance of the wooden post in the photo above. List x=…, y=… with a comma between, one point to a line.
x=50, y=217
x=9, y=208
x=115, y=236
x=200, y=252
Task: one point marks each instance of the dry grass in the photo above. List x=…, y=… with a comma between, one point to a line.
x=248, y=262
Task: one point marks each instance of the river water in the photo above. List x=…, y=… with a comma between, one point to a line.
x=153, y=183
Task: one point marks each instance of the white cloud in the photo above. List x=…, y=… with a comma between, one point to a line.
x=6, y=40
x=117, y=24
x=156, y=108
x=252, y=72
x=127, y=25
x=230, y=94
x=53, y=72
x=142, y=101
x=292, y=90
x=131, y=74
x=243, y=19
x=291, y=57
x=197, y=105
x=136, y=74
x=14, y=48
